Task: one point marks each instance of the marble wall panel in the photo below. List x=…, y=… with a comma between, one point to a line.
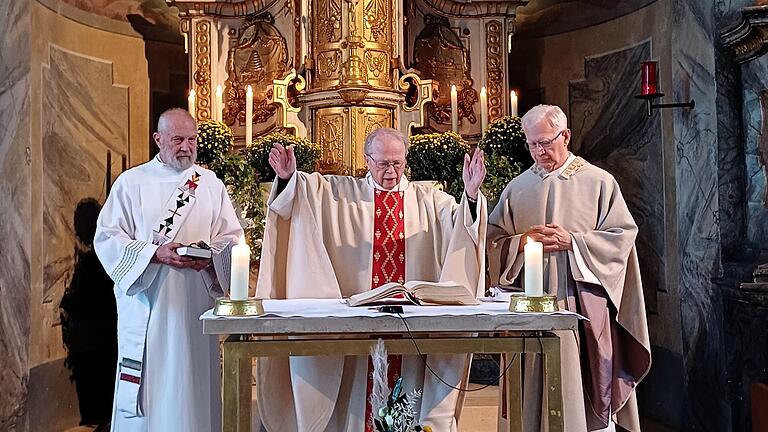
x=698, y=219
x=86, y=116
x=14, y=214
x=611, y=129
x=755, y=80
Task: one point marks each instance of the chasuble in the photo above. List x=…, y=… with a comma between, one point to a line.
x=334, y=236
x=599, y=278
x=168, y=375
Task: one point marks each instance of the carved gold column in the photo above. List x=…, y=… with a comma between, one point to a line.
x=351, y=80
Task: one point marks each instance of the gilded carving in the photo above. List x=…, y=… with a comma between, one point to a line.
x=377, y=65
x=440, y=55
x=328, y=64
x=376, y=20
x=258, y=55
x=495, y=69
x=330, y=136
x=202, y=74
x=329, y=19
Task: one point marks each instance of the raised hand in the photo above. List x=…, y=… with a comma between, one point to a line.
x=282, y=160
x=474, y=173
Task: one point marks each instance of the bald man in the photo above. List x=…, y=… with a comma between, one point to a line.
x=167, y=368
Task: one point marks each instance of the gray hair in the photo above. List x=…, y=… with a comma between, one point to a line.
x=381, y=133
x=161, y=122
x=552, y=115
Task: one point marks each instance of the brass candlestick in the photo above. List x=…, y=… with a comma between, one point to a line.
x=251, y=306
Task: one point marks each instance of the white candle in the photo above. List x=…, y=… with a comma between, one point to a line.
x=248, y=116
x=483, y=110
x=219, y=108
x=454, y=109
x=513, y=103
x=534, y=277
x=191, y=104
x=241, y=260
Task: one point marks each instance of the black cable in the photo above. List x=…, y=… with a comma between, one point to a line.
x=424, y=360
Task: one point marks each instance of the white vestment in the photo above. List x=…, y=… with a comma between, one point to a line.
x=600, y=279
x=318, y=243
x=168, y=376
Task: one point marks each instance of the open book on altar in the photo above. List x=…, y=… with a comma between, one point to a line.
x=416, y=292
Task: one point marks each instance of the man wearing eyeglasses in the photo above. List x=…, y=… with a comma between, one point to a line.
x=335, y=236
x=577, y=212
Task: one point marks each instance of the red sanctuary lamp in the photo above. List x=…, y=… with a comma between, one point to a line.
x=649, y=88
x=649, y=83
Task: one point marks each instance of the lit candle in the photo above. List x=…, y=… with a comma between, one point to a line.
x=649, y=82
x=248, y=116
x=219, y=104
x=454, y=109
x=191, y=104
x=513, y=103
x=534, y=277
x=483, y=110
x=241, y=257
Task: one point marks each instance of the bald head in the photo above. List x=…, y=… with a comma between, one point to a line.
x=176, y=137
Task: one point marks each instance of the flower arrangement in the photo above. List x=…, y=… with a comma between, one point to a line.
x=307, y=154
x=506, y=155
x=214, y=144
x=439, y=156
x=393, y=411
x=214, y=140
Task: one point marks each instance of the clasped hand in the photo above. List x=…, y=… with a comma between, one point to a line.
x=553, y=237
x=166, y=254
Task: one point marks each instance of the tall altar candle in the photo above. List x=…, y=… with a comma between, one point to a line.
x=219, y=115
x=241, y=260
x=483, y=110
x=248, y=116
x=534, y=276
x=191, y=104
x=454, y=109
x=513, y=103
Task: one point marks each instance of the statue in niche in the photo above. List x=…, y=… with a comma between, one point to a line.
x=439, y=54
x=258, y=56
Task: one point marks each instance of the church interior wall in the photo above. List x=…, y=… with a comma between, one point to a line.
x=593, y=73
x=14, y=213
x=76, y=89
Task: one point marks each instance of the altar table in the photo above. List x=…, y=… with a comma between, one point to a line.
x=311, y=327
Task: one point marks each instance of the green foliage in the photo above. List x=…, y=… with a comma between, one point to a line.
x=307, y=154
x=506, y=155
x=214, y=143
x=214, y=140
x=439, y=156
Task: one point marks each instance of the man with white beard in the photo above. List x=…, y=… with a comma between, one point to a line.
x=168, y=371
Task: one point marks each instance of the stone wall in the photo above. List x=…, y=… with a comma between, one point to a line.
x=75, y=88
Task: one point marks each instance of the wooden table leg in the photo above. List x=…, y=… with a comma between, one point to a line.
x=553, y=382
x=244, y=392
x=514, y=392
x=229, y=384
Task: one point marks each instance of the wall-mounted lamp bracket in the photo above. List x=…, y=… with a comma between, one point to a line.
x=649, y=98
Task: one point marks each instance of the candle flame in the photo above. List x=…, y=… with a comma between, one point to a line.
x=530, y=240
x=242, y=239
x=249, y=90
x=482, y=91
x=513, y=94
x=192, y=93
x=218, y=90
x=453, y=88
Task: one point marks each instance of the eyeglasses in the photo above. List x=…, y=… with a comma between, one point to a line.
x=382, y=165
x=545, y=144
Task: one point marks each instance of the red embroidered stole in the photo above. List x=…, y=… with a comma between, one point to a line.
x=388, y=266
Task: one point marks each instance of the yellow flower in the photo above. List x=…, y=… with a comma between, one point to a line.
x=427, y=428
